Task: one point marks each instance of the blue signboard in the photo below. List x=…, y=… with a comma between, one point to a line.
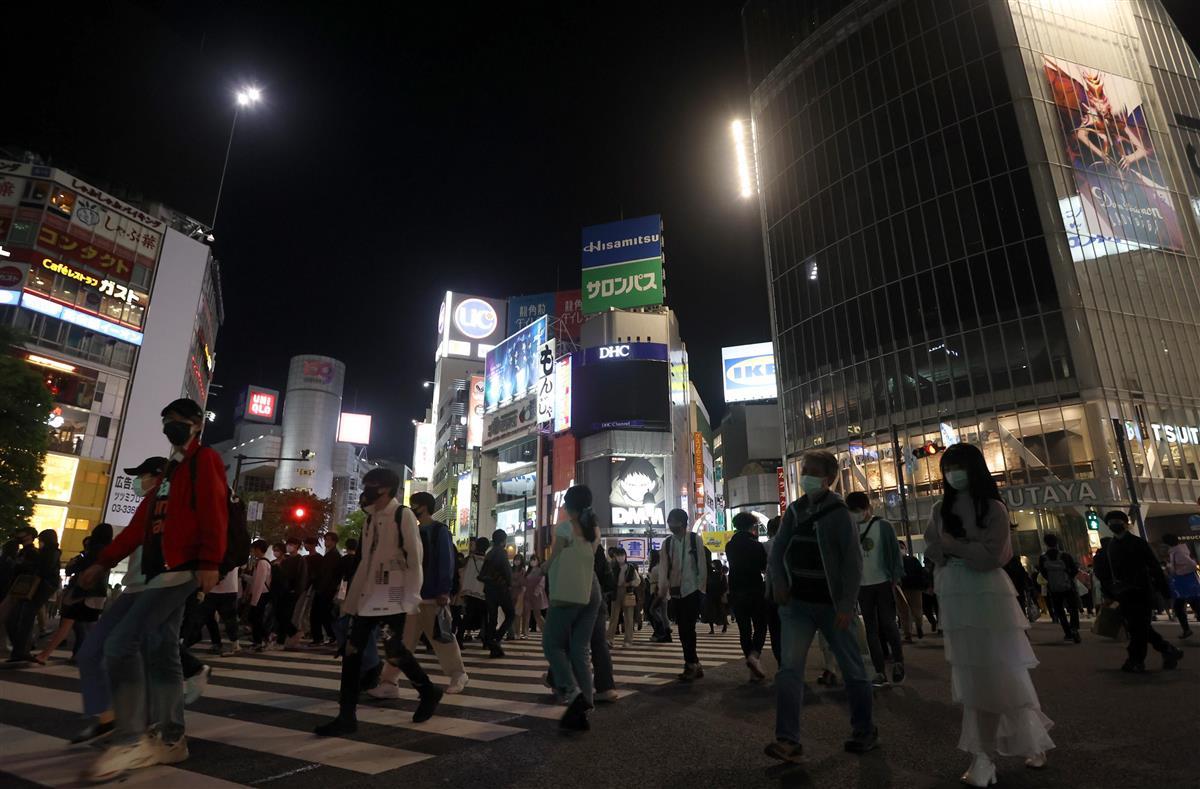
x=524, y=310
x=749, y=372
x=618, y=242
x=640, y=351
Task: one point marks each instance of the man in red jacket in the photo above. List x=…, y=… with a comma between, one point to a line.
x=182, y=534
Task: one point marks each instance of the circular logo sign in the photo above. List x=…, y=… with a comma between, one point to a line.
x=441, y=320
x=475, y=318
x=10, y=276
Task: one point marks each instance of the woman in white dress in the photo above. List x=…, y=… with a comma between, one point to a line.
x=984, y=628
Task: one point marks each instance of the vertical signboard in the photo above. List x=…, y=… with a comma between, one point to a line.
x=1123, y=196
x=462, y=500
x=562, y=394
x=698, y=467
x=783, y=499
x=545, y=383
x=622, y=264
x=475, y=412
x=426, y=437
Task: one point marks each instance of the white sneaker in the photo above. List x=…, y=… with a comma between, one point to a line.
x=231, y=649
x=756, y=672
x=385, y=690
x=193, y=686
x=120, y=759
x=458, y=683
x=1037, y=761
x=174, y=753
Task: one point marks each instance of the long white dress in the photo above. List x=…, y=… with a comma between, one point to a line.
x=985, y=637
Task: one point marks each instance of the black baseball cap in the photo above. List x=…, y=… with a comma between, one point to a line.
x=186, y=408
x=153, y=465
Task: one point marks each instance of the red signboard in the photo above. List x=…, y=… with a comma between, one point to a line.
x=568, y=308
x=566, y=452
x=11, y=276
x=261, y=404
x=783, y=498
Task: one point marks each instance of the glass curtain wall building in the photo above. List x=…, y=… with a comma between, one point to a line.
x=978, y=225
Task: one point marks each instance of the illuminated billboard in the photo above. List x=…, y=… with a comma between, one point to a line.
x=470, y=326
x=622, y=264
x=462, y=499
x=562, y=394
x=354, y=428
x=1123, y=197
x=512, y=366
x=426, y=437
x=748, y=372
x=475, y=412
x=259, y=404
x=639, y=492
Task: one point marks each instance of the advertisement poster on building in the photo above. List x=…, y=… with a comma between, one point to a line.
x=638, y=496
x=635, y=283
x=568, y=313
x=748, y=372
x=562, y=394
x=512, y=366
x=475, y=412
x=426, y=437
x=782, y=483
x=462, y=500
x=1107, y=140
x=524, y=310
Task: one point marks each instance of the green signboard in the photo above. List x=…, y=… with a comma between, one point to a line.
x=635, y=283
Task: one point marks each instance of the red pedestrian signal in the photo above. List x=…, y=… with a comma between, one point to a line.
x=299, y=513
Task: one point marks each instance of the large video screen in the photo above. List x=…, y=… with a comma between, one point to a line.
x=625, y=395
x=512, y=366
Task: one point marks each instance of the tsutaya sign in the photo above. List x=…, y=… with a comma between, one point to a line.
x=1172, y=434
x=1072, y=493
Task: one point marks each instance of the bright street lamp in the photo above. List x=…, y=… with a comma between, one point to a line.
x=743, y=159
x=246, y=97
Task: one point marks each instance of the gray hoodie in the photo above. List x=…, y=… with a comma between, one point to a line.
x=836, y=535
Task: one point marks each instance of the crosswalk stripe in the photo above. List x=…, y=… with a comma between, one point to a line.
x=42, y=759
x=359, y=757
x=450, y=727
x=429, y=660
x=512, y=708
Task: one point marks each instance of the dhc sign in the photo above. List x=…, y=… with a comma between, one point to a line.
x=749, y=372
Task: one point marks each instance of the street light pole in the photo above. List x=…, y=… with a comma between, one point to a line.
x=248, y=460
x=246, y=97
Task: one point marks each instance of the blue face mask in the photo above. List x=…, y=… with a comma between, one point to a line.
x=958, y=479
x=138, y=488
x=811, y=485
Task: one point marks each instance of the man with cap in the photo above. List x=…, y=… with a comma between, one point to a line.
x=1129, y=572
x=182, y=534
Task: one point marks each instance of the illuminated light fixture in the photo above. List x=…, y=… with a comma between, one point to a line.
x=812, y=270
x=42, y=361
x=247, y=96
x=46, y=307
x=743, y=159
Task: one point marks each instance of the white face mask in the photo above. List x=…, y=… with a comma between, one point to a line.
x=863, y=517
x=958, y=479
x=811, y=485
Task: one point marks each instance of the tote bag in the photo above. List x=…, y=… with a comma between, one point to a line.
x=571, y=574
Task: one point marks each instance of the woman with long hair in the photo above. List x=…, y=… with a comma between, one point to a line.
x=81, y=606
x=984, y=628
x=574, y=605
x=535, y=597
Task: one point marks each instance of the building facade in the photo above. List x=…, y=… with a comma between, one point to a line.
x=120, y=304
x=312, y=406
x=978, y=225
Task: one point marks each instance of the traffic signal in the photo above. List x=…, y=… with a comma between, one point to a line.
x=928, y=450
x=299, y=513
x=1093, y=520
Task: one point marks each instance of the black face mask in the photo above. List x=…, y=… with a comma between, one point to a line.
x=178, y=433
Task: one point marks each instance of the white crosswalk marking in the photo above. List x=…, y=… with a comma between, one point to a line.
x=503, y=692
x=361, y=757
x=43, y=759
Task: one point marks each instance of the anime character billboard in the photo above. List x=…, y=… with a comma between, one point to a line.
x=1116, y=167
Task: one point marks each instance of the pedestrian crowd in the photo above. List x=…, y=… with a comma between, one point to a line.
x=831, y=571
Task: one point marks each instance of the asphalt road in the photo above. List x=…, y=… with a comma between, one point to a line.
x=252, y=727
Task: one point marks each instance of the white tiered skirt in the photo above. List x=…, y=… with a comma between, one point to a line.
x=990, y=658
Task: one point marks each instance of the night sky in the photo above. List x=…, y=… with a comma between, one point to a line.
x=404, y=150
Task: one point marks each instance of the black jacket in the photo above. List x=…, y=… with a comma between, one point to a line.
x=1128, y=565
x=328, y=574
x=747, y=563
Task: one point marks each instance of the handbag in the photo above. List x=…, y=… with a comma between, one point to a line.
x=24, y=587
x=572, y=574
x=1108, y=622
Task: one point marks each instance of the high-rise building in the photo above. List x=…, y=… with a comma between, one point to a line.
x=978, y=220
x=312, y=405
x=121, y=304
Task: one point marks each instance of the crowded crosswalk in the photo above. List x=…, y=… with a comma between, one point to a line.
x=266, y=704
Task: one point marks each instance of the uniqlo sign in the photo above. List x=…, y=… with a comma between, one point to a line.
x=260, y=405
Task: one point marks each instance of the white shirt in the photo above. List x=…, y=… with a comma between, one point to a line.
x=873, y=572
x=229, y=583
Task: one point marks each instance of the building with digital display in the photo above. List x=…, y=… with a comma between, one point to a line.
x=979, y=225
x=120, y=302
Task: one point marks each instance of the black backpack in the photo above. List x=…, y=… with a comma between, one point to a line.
x=237, y=536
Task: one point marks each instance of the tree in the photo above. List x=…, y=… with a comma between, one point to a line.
x=25, y=402
x=293, y=513
x=351, y=527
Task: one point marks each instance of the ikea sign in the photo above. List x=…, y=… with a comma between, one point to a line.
x=749, y=372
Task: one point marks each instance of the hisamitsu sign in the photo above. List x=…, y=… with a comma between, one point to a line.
x=618, y=242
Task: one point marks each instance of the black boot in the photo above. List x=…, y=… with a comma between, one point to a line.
x=576, y=716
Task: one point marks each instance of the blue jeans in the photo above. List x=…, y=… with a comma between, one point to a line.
x=566, y=642
x=141, y=654
x=93, y=676
x=800, y=622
